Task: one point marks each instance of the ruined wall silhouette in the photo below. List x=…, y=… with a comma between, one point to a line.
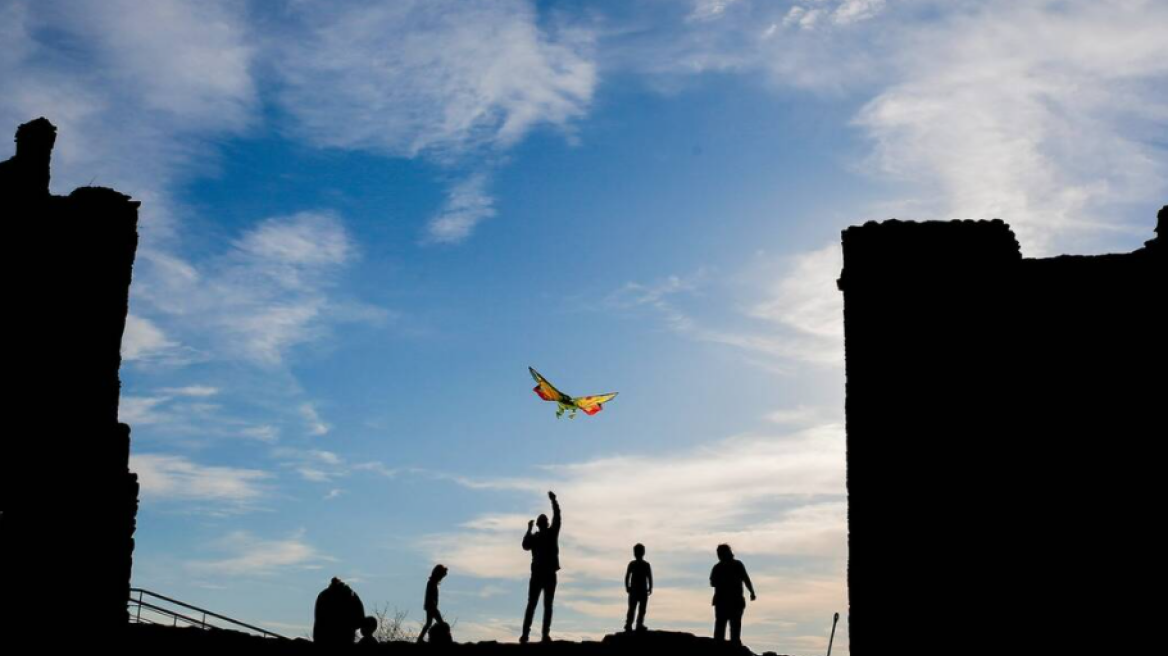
x=67, y=498
x=1000, y=412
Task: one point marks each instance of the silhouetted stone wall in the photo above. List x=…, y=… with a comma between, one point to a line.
x=67, y=497
x=1000, y=412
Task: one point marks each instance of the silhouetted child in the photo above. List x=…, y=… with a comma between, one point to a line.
x=368, y=628
x=639, y=585
x=431, y=603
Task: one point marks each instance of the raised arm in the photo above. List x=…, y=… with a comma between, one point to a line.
x=555, y=512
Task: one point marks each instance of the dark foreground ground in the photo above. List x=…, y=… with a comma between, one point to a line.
x=154, y=640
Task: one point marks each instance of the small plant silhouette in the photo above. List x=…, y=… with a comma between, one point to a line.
x=392, y=626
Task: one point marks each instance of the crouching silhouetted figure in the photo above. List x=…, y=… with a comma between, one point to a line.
x=545, y=562
x=727, y=579
x=368, y=628
x=431, y=603
x=639, y=585
x=339, y=614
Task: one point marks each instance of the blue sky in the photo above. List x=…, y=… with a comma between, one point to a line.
x=362, y=221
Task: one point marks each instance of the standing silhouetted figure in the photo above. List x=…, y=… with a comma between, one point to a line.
x=727, y=579
x=545, y=562
x=639, y=585
x=339, y=615
x=431, y=603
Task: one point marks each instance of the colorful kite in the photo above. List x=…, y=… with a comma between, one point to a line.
x=548, y=392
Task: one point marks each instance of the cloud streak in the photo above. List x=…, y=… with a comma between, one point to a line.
x=797, y=319
x=169, y=478
x=267, y=294
x=437, y=77
x=250, y=556
x=468, y=203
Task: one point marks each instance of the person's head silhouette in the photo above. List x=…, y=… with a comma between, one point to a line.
x=368, y=627
x=724, y=552
x=439, y=572
x=639, y=551
x=542, y=522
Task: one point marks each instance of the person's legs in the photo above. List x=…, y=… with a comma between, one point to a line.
x=629, y=616
x=533, y=588
x=549, y=596
x=644, y=601
x=736, y=627
x=426, y=626
x=719, y=624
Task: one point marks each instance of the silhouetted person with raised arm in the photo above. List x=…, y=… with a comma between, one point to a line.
x=339, y=614
x=431, y=603
x=545, y=562
x=727, y=579
x=639, y=585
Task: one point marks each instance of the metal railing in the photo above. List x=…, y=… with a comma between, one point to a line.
x=155, y=607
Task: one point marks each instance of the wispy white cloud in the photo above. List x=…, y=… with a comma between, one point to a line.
x=142, y=410
x=187, y=60
x=321, y=466
x=378, y=468
x=797, y=318
x=264, y=433
x=196, y=391
x=808, y=14
x=145, y=341
x=249, y=555
x=316, y=426
x=852, y=11
x=313, y=465
x=468, y=203
x=410, y=77
x=804, y=310
x=805, y=416
x=170, y=478
x=661, y=296
x=707, y=10
x=269, y=293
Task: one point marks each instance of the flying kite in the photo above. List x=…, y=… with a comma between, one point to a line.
x=548, y=392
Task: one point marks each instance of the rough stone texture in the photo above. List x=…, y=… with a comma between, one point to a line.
x=67, y=497
x=1000, y=412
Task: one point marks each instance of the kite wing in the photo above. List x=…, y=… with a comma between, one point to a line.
x=546, y=390
x=593, y=404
